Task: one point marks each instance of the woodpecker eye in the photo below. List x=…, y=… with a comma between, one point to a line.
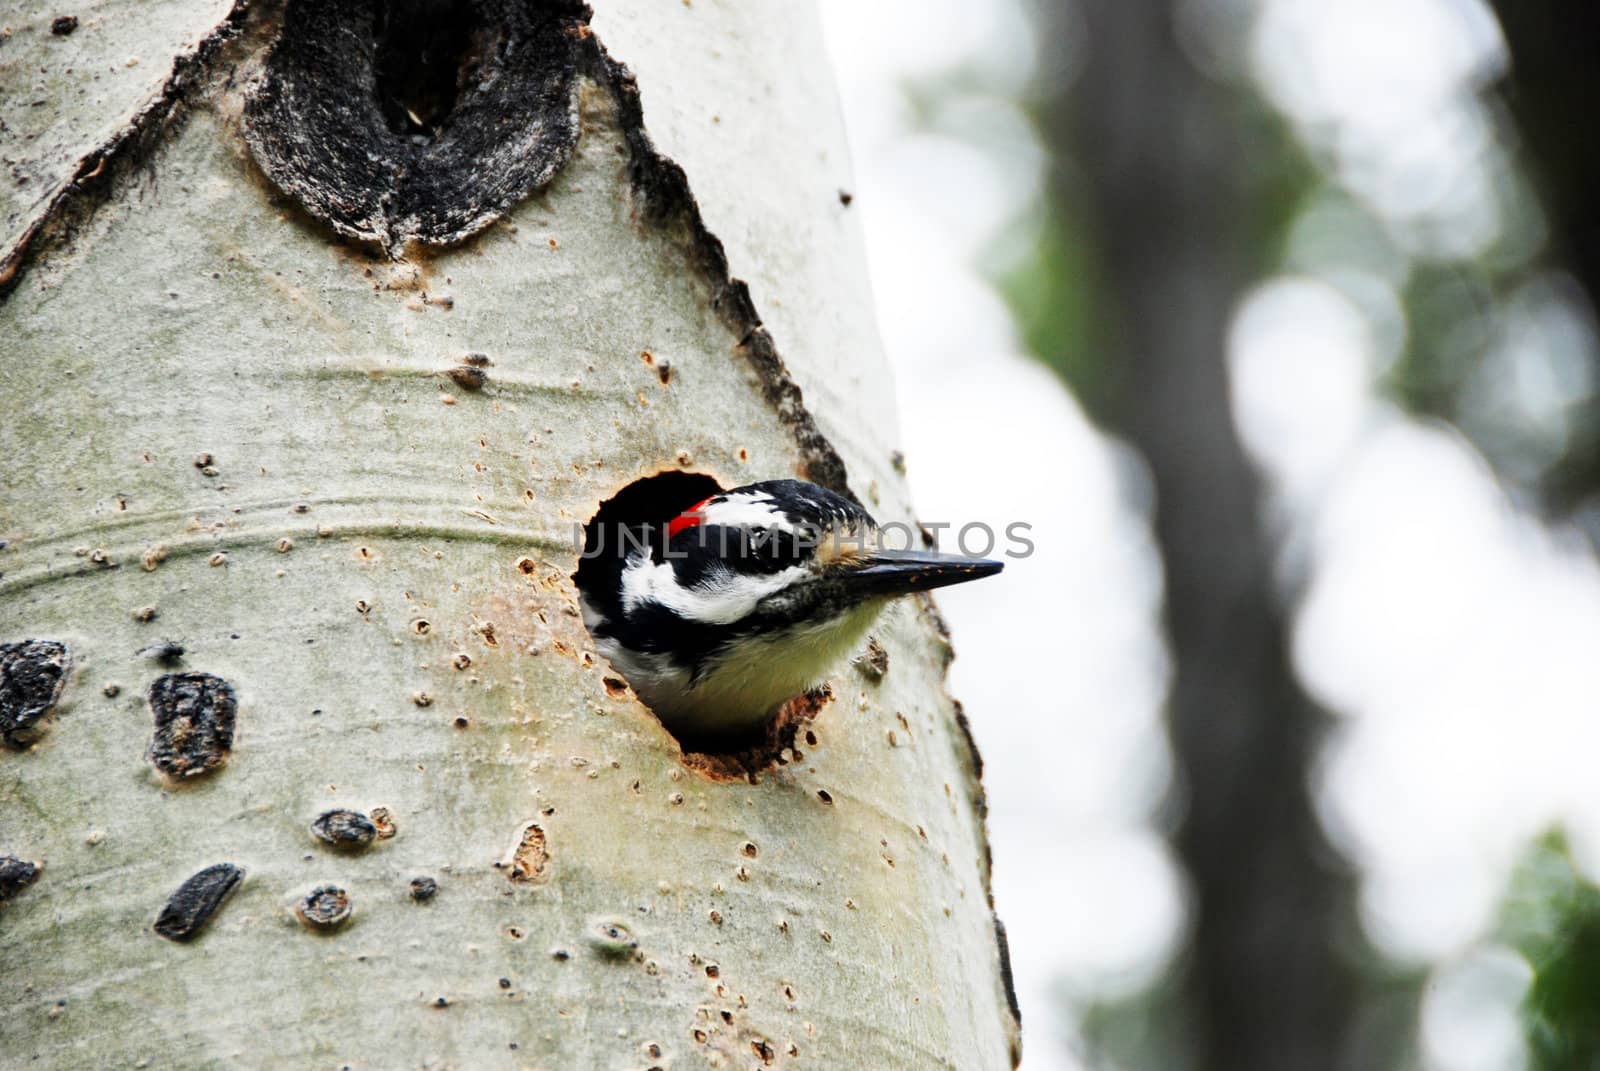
x=712, y=548
x=770, y=550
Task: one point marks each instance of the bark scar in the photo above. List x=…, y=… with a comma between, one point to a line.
x=348, y=123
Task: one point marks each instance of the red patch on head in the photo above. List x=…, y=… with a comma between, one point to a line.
x=688, y=518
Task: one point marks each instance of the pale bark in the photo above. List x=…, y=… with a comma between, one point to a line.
x=165, y=301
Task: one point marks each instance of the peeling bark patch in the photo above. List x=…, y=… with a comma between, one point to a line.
x=873, y=663
x=324, y=908
x=196, y=900
x=16, y=875
x=348, y=831
x=194, y=715
x=345, y=74
x=529, y=857
x=383, y=822
x=32, y=675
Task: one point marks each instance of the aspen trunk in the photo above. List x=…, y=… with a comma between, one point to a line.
x=323, y=326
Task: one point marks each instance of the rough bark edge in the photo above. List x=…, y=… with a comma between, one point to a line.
x=1010, y=986
x=664, y=189
x=980, y=804
x=668, y=202
x=93, y=178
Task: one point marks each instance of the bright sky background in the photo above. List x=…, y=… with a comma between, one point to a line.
x=1455, y=638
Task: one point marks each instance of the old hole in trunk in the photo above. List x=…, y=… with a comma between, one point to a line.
x=417, y=121
x=423, y=58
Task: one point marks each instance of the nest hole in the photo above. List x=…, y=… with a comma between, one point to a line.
x=772, y=746
x=630, y=519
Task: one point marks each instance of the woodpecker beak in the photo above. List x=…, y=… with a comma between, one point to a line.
x=897, y=572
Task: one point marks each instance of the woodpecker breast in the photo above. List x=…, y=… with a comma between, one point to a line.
x=748, y=598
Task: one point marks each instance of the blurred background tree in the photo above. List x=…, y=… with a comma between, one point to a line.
x=1321, y=275
x=1186, y=189
x=1178, y=182
x=1553, y=80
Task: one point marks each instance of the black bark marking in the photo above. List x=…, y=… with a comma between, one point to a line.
x=423, y=889
x=32, y=675
x=196, y=900
x=468, y=377
x=324, y=907
x=15, y=875
x=348, y=831
x=398, y=121
x=194, y=716
x=64, y=25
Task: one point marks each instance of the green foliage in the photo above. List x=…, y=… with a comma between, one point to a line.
x=1051, y=285
x=1147, y=1028
x=1552, y=917
x=1449, y=312
x=1047, y=264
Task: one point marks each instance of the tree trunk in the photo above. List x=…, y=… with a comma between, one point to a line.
x=1268, y=980
x=1553, y=76
x=325, y=326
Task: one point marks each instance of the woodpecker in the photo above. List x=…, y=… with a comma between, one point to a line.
x=748, y=598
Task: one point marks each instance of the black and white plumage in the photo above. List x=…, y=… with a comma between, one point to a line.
x=750, y=597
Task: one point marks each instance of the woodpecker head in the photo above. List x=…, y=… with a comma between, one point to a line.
x=746, y=599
